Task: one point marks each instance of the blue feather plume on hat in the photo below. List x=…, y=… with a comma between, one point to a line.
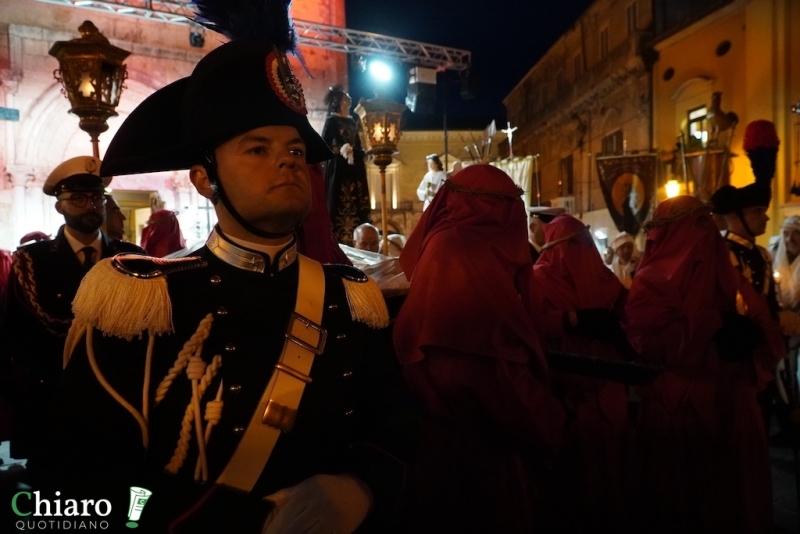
x=264, y=20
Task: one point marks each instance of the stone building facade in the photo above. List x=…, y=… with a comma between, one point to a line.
x=587, y=96
x=640, y=75
x=747, y=51
x=47, y=134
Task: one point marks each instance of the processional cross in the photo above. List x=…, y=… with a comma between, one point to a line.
x=510, y=134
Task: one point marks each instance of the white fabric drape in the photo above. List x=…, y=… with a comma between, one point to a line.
x=789, y=275
x=520, y=170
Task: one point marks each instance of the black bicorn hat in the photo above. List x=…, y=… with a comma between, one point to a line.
x=729, y=199
x=243, y=84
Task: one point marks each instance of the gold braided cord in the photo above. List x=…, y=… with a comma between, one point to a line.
x=31, y=299
x=213, y=415
x=181, y=449
x=193, y=345
x=662, y=221
x=148, y=364
x=111, y=391
x=480, y=192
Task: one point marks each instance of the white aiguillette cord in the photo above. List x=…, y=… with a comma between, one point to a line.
x=278, y=405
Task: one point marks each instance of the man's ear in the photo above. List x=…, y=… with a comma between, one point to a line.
x=201, y=181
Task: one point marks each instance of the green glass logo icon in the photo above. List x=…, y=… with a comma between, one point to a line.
x=139, y=498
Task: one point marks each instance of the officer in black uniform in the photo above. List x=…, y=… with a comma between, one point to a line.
x=182, y=379
x=45, y=278
x=745, y=213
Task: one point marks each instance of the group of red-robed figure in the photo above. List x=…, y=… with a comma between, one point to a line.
x=515, y=447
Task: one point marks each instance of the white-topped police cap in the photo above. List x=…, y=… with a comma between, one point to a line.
x=545, y=213
x=76, y=175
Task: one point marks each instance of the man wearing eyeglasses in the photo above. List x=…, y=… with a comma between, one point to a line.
x=45, y=278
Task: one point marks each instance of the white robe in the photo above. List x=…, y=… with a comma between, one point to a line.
x=429, y=185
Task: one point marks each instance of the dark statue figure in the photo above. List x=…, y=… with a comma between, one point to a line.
x=346, y=174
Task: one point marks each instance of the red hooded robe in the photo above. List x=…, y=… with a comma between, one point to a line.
x=592, y=473
x=705, y=465
x=162, y=235
x=469, y=350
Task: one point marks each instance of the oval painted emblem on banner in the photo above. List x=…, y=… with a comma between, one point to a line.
x=628, y=188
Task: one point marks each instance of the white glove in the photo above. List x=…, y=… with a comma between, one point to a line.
x=347, y=153
x=320, y=504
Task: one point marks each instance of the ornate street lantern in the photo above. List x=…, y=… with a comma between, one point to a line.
x=380, y=121
x=92, y=75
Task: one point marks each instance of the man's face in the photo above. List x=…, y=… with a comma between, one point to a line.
x=265, y=176
x=366, y=238
x=791, y=237
x=86, y=218
x=756, y=219
x=115, y=219
x=536, y=231
x=624, y=252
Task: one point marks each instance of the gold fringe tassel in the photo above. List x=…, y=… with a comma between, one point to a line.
x=121, y=305
x=366, y=303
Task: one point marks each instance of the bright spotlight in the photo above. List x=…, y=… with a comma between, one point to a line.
x=601, y=233
x=380, y=70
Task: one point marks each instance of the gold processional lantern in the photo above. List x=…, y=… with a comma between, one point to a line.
x=92, y=75
x=380, y=121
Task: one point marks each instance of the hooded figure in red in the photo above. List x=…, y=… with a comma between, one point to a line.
x=580, y=303
x=162, y=235
x=705, y=465
x=315, y=238
x=469, y=350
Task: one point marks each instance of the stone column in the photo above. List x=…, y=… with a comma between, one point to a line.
x=19, y=177
x=34, y=208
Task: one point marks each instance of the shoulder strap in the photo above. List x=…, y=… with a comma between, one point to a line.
x=277, y=408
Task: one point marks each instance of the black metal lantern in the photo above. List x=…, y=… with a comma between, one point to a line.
x=381, y=120
x=92, y=75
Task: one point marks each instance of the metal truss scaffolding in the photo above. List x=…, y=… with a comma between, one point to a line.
x=308, y=33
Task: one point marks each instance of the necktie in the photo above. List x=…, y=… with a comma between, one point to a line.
x=88, y=257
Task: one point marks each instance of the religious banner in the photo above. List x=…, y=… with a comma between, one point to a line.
x=521, y=171
x=628, y=184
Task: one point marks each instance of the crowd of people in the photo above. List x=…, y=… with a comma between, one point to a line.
x=260, y=384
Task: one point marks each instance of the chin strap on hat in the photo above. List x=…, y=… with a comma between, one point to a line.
x=218, y=194
x=740, y=213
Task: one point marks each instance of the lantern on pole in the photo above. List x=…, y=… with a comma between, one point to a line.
x=380, y=121
x=92, y=75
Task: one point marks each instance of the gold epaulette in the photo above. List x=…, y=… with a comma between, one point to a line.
x=126, y=295
x=363, y=296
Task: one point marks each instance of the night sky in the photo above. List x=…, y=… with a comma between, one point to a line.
x=506, y=38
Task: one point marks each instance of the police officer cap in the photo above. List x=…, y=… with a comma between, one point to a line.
x=729, y=199
x=76, y=175
x=545, y=213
